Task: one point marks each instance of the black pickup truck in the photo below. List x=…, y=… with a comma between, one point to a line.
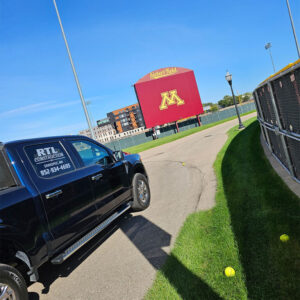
x=55, y=195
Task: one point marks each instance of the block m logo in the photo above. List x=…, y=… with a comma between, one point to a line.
x=170, y=98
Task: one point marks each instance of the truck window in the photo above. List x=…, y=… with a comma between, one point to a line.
x=6, y=178
x=49, y=159
x=91, y=153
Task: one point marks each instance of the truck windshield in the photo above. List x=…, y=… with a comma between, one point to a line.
x=6, y=178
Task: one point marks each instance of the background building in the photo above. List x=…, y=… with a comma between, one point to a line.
x=126, y=118
x=104, y=132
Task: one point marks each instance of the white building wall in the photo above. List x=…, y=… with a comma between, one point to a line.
x=107, y=133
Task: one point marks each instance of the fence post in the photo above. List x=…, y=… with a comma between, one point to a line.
x=285, y=148
x=259, y=110
x=198, y=119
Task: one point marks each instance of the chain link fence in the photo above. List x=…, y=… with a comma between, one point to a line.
x=184, y=125
x=277, y=101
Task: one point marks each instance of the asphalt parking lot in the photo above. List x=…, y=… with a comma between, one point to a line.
x=121, y=262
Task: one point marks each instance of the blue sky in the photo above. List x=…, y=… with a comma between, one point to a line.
x=114, y=43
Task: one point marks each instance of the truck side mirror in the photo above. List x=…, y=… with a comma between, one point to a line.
x=119, y=155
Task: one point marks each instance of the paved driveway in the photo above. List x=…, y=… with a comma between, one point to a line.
x=121, y=263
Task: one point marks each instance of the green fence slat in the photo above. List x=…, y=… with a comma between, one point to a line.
x=188, y=124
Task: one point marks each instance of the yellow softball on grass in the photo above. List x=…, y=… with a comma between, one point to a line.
x=284, y=238
x=229, y=272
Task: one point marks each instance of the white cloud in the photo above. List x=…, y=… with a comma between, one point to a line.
x=25, y=109
x=37, y=107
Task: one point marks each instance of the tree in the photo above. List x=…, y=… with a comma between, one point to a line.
x=214, y=107
x=226, y=101
x=207, y=104
x=246, y=97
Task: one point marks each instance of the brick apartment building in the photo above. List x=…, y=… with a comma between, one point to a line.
x=126, y=118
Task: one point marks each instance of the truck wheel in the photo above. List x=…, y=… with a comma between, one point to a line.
x=141, y=192
x=12, y=284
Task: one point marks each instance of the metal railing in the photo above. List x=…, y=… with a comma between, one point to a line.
x=277, y=100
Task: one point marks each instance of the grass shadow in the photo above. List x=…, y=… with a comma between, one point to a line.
x=187, y=284
x=150, y=239
x=262, y=208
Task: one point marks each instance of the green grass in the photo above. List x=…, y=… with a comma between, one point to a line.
x=174, y=137
x=253, y=208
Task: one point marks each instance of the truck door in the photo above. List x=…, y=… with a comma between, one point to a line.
x=65, y=190
x=109, y=178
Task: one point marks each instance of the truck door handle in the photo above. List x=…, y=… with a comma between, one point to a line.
x=97, y=177
x=54, y=194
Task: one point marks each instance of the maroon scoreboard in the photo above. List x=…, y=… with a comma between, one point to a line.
x=167, y=95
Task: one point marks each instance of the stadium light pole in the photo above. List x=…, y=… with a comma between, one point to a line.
x=228, y=77
x=268, y=46
x=88, y=103
x=293, y=27
x=75, y=74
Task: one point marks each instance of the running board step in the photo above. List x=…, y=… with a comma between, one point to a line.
x=72, y=249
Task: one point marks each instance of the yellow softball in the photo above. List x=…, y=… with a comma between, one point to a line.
x=284, y=238
x=229, y=272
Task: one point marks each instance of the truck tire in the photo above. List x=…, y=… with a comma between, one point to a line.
x=141, y=192
x=12, y=284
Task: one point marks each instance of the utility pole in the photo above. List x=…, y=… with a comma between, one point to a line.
x=268, y=46
x=293, y=27
x=75, y=74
